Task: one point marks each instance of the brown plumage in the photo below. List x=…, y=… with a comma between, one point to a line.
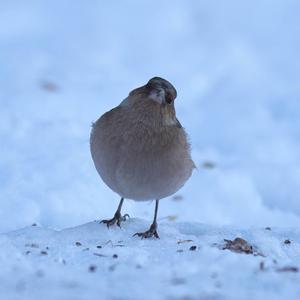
x=140, y=149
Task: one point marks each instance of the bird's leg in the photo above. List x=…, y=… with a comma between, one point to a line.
x=152, y=232
x=118, y=218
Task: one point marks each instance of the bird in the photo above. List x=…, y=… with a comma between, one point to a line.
x=140, y=149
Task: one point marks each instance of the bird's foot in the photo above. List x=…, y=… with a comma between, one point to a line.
x=117, y=219
x=152, y=232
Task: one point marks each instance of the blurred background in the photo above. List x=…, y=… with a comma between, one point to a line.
x=236, y=68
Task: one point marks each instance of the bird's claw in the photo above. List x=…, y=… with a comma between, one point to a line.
x=152, y=232
x=125, y=216
x=117, y=219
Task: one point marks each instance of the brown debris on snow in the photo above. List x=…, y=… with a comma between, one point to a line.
x=50, y=87
x=32, y=245
x=92, y=268
x=288, y=269
x=239, y=245
x=184, y=241
x=193, y=248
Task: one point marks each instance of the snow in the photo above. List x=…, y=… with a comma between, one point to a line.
x=75, y=267
x=236, y=69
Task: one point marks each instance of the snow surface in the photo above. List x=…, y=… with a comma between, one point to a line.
x=39, y=263
x=236, y=68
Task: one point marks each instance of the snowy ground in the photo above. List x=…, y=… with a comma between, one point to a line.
x=92, y=262
x=236, y=68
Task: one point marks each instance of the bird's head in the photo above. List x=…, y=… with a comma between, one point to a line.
x=153, y=102
x=161, y=90
x=157, y=89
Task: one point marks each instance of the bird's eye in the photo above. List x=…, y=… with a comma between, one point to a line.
x=169, y=98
